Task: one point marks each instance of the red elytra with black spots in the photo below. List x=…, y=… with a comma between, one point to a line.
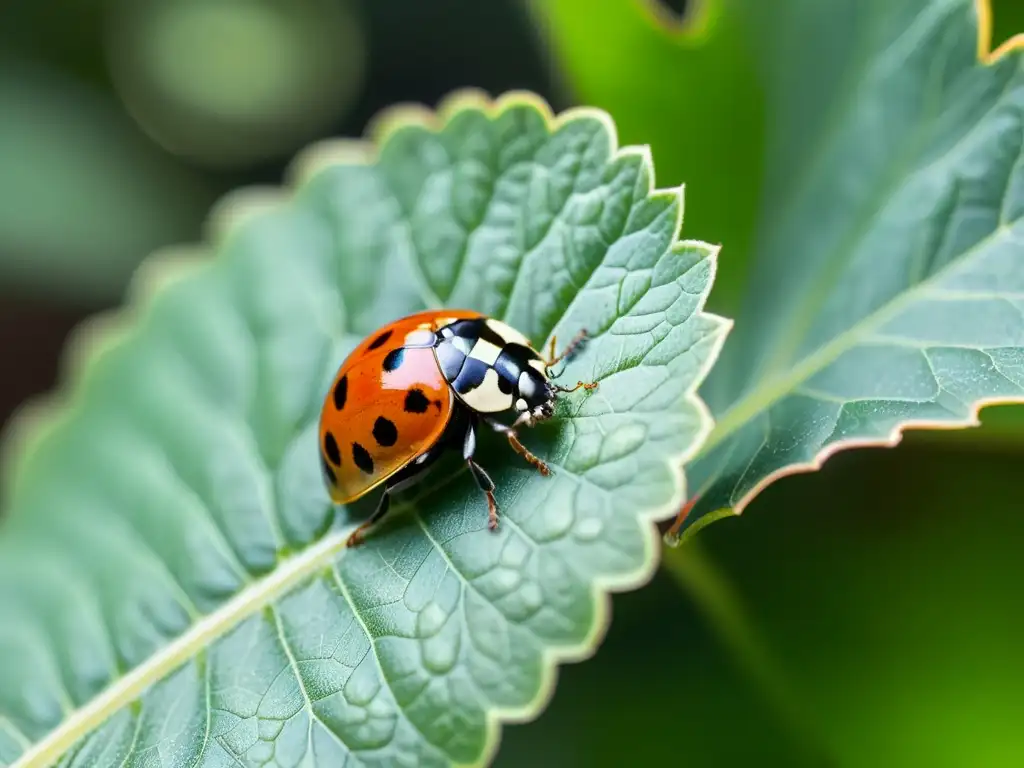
x=388, y=404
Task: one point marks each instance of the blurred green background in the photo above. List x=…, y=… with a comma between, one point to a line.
x=867, y=615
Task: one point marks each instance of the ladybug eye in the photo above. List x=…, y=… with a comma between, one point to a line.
x=527, y=386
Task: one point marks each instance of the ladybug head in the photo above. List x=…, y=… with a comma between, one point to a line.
x=546, y=409
x=536, y=401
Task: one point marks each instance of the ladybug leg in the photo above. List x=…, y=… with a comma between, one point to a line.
x=412, y=475
x=357, y=536
x=571, y=349
x=551, y=352
x=483, y=480
x=518, y=447
x=579, y=385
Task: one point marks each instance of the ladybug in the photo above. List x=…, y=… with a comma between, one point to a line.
x=421, y=385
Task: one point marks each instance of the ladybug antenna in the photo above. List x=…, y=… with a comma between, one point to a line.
x=571, y=349
x=579, y=385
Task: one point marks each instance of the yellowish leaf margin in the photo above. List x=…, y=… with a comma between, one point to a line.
x=91, y=341
x=701, y=16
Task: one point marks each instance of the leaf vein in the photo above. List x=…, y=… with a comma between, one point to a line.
x=343, y=588
x=301, y=681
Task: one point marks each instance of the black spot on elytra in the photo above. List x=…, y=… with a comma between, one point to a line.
x=341, y=392
x=393, y=359
x=331, y=449
x=385, y=432
x=329, y=472
x=416, y=401
x=380, y=341
x=362, y=458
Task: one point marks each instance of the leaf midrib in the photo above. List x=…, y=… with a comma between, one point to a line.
x=758, y=400
x=814, y=299
x=287, y=575
x=761, y=398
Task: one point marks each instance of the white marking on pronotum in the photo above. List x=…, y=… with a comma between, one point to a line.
x=464, y=345
x=539, y=365
x=527, y=386
x=507, y=332
x=488, y=397
x=485, y=352
x=419, y=338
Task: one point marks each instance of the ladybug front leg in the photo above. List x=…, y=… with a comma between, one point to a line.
x=483, y=480
x=518, y=447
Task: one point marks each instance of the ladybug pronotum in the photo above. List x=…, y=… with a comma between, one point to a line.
x=421, y=385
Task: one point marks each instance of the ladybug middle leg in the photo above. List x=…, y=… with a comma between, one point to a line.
x=408, y=477
x=396, y=485
x=518, y=447
x=483, y=480
x=357, y=536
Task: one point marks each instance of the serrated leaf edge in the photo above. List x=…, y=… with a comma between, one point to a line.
x=93, y=338
x=987, y=56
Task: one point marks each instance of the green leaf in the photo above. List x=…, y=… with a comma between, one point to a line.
x=885, y=292
x=687, y=88
x=172, y=578
x=885, y=280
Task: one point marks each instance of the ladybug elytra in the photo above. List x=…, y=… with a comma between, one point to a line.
x=421, y=385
